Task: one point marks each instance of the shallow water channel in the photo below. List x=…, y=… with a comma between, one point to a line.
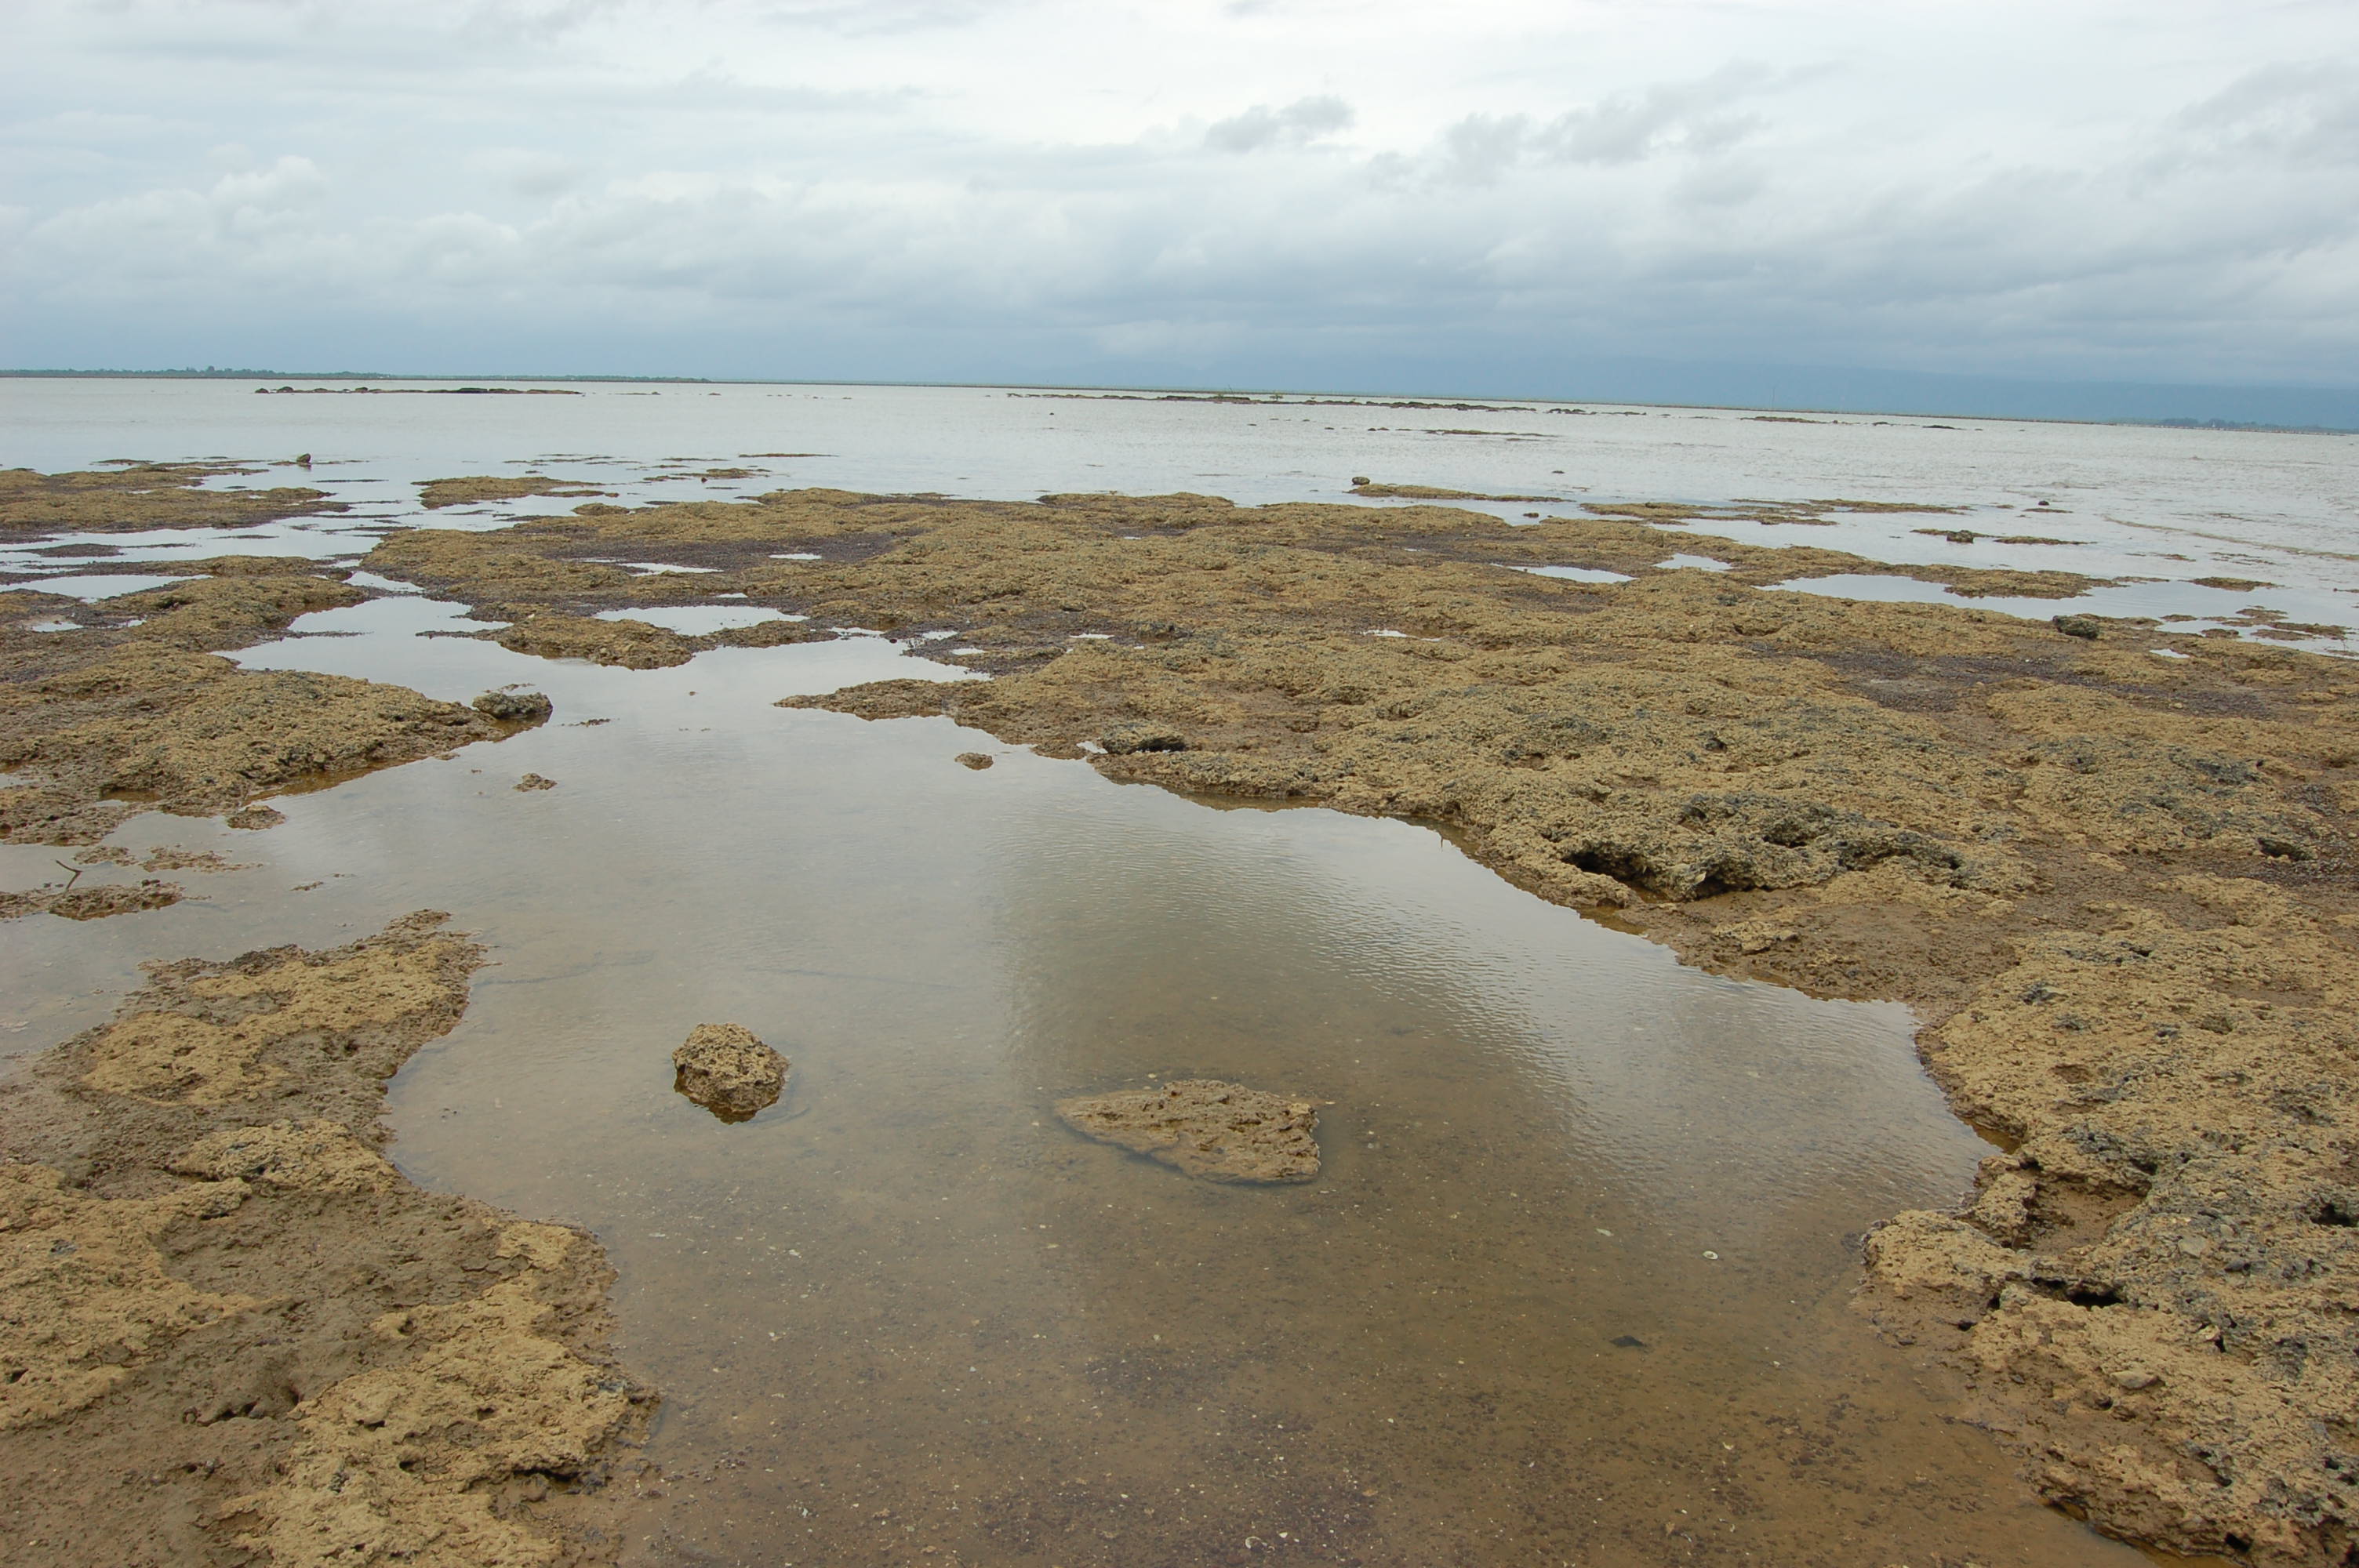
x=1569, y=1289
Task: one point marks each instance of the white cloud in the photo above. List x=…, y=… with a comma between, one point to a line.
x=2169, y=189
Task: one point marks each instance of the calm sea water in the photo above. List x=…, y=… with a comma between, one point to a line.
x=2161, y=507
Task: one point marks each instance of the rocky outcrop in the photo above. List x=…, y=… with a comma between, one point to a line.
x=728, y=1071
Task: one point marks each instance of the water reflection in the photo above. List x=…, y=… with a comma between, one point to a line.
x=906, y=1312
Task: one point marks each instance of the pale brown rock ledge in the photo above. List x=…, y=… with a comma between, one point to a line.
x=1223, y=1133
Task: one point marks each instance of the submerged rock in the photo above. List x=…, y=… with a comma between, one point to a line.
x=1223, y=1133
x=533, y=781
x=256, y=817
x=975, y=759
x=729, y=1072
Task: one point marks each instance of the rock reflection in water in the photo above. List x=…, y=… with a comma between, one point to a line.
x=1569, y=1287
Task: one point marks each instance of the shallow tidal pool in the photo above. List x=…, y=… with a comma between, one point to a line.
x=1569, y=1289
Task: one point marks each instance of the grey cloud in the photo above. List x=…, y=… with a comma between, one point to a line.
x=1481, y=147
x=771, y=200
x=524, y=171
x=1695, y=118
x=1261, y=128
x=1726, y=182
x=2300, y=113
x=1684, y=116
x=2029, y=266
x=870, y=18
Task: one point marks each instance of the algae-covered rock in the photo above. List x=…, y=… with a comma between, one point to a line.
x=1223, y=1133
x=1123, y=739
x=98, y=903
x=513, y=707
x=91, y=902
x=471, y=489
x=632, y=644
x=728, y=1071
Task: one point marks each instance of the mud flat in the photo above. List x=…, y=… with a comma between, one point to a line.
x=2117, y=886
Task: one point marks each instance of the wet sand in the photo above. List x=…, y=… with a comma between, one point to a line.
x=2117, y=886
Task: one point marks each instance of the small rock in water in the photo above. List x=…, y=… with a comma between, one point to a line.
x=975, y=760
x=257, y=818
x=533, y=781
x=729, y=1072
x=513, y=707
x=1224, y=1132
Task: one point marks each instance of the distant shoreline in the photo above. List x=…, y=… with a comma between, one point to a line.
x=1181, y=393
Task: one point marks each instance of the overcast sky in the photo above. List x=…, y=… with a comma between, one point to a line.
x=1288, y=192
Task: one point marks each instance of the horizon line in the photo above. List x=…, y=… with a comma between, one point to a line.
x=214, y=373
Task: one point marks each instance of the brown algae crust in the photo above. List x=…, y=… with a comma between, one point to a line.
x=133, y=711
x=213, y=1283
x=632, y=645
x=435, y=493
x=134, y=497
x=68, y=901
x=1223, y=1133
x=2118, y=889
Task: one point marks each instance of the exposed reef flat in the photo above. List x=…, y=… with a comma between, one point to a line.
x=71, y=903
x=128, y=497
x=437, y=493
x=631, y=645
x=2119, y=889
x=1375, y=492
x=231, y=1331
x=132, y=711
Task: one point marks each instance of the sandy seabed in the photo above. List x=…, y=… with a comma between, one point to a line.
x=2110, y=867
